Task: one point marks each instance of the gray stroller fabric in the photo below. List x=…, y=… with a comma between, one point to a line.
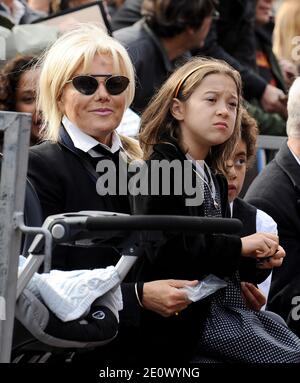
x=98, y=328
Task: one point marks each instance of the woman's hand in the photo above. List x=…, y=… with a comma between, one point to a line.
x=165, y=297
x=253, y=297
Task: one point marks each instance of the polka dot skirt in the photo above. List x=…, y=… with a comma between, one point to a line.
x=233, y=333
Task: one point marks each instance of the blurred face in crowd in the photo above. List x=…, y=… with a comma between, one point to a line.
x=198, y=36
x=264, y=11
x=26, y=99
x=236, y=170
x=77, y=3
x=97, y=114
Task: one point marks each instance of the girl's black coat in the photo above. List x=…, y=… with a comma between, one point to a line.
x=185, y=257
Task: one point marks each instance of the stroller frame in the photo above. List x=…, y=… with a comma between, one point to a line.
x=127, y=234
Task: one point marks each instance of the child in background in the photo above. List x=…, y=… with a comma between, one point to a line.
x=254, y=220
x=18, y=87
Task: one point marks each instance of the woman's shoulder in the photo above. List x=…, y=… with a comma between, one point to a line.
x=45, y=147
x=46, y=150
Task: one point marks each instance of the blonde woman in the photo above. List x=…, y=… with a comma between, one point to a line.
x=286, y=37
x=86, y=82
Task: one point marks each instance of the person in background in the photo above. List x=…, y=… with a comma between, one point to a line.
x=18, y=88
x=113, y=6
x=286, y=33
x=40, y=5
x=232, y=39
x=18, y=12
x=276, y=191
x=254, y=220
x=127, y=14
x=269, y=68
x=158, y=42
x=62, y=5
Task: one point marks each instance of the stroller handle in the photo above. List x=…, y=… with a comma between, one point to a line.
x=169, y=223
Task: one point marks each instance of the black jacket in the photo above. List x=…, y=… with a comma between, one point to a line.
x=247, y=214
x=276, y=190
x=64, y=184
x=263, y=38
x=181, y=257
x=232, y=39
x=127, y=14
x=150, y=60
x=269, y=123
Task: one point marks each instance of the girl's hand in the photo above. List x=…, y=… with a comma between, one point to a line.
x=273, y=261
x=253, y=297
x=165, y=297
x=259, y=245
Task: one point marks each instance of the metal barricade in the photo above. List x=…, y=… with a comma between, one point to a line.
x=267, y=143
x=16, y=129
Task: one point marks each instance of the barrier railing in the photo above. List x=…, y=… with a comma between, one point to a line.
x=16, y=129
x=267, y=143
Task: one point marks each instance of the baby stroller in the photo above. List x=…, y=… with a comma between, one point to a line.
x=39, y=335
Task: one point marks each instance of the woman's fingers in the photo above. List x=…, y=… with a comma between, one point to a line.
x=165, y=297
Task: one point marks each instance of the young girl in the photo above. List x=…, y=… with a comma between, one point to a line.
x=194, y=117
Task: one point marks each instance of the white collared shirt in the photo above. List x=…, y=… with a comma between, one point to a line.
x=264, y=224
x=86, y=143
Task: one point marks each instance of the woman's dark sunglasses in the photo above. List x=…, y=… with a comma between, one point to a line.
x=88, y=84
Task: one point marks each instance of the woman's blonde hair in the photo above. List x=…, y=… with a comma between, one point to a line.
x=287, y=27
x=158, y=123
x=60, y=62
